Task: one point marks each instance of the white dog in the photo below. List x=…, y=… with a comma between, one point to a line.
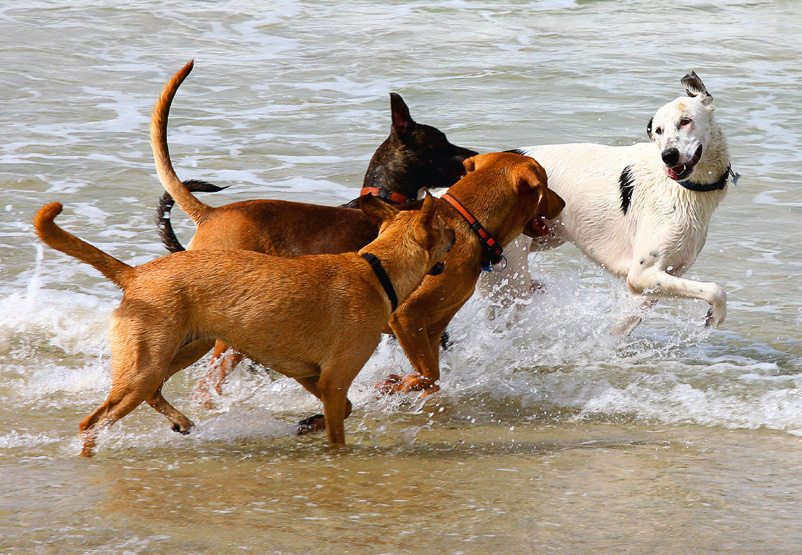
x=641, y=211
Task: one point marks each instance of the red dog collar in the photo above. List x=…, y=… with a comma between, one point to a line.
x=494, y=251
x=385, y=194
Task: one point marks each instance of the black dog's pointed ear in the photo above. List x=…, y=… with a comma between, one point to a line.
x=378, y=211
x=694, y=87
x=402, y=121
x=649, y=128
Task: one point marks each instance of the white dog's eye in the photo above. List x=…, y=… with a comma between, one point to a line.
x=659, y=131
x=685, y=121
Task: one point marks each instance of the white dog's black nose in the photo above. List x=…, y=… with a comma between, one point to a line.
x=670, y=156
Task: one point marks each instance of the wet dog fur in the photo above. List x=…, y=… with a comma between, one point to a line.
x=414, y=157
x=315, y=318
x=630, y=208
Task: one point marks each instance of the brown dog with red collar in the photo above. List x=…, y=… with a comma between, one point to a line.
x=414, y=157
x=314, y=318
x=503, y=195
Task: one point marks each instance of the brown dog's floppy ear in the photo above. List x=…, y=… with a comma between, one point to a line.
x=470, y=163
x=378, y=211
x=402, y=121
x=532, y=176
x=550, y=204
x=529, y=175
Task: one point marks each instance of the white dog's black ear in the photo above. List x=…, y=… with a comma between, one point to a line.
x=694, y=87
x=649, y=128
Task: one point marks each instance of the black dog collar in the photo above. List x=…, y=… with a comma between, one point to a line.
x=708, y=187
x=494, y=251
x=384, y=279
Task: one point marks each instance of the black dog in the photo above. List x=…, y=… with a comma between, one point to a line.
x=414, y=156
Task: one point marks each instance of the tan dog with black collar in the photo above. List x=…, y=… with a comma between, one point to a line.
x=414, y=157
x=315, y=318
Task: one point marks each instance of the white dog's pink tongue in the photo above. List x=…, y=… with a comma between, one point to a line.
x=671, y=173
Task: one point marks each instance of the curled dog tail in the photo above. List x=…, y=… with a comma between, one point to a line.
x=194, y=208
x=47, y=230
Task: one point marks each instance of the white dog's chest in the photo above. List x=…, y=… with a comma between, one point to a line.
x=673, y=225
x=620, y=206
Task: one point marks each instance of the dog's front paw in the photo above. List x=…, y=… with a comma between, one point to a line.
x=429, y=390
x=714, y=317
x=390, y=385
x=718, y=308
x=404, y=384
x=316, y=423
x=183, y=428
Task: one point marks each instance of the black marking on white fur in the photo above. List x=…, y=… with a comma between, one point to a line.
x=626, y=183
x=520, y=151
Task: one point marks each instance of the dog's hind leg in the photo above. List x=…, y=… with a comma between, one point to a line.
x=224, y=361
x=125, y=396
x=115, y=407
x=190, y=353
x=181, y=423
x=132, y=384
x=627, y=324
x=186, y=355
x=316, y=423
x=138, y=372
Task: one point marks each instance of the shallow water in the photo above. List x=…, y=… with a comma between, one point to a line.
x=548, y=435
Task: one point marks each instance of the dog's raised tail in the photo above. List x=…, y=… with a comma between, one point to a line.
x=52, y=235
x=194, y=208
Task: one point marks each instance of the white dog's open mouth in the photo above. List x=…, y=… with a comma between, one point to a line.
x=683, y=171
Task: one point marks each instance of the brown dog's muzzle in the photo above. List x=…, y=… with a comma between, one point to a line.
x=549, y=207
x=536, y=227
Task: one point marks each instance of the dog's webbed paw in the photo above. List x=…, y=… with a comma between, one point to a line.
x=316, y=423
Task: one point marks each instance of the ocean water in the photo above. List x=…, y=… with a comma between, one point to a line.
x=549, y=435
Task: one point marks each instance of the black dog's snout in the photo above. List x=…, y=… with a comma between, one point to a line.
x=464, y=153
x=670, y=156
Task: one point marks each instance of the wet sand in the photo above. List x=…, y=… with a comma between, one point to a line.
x=492, y=487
